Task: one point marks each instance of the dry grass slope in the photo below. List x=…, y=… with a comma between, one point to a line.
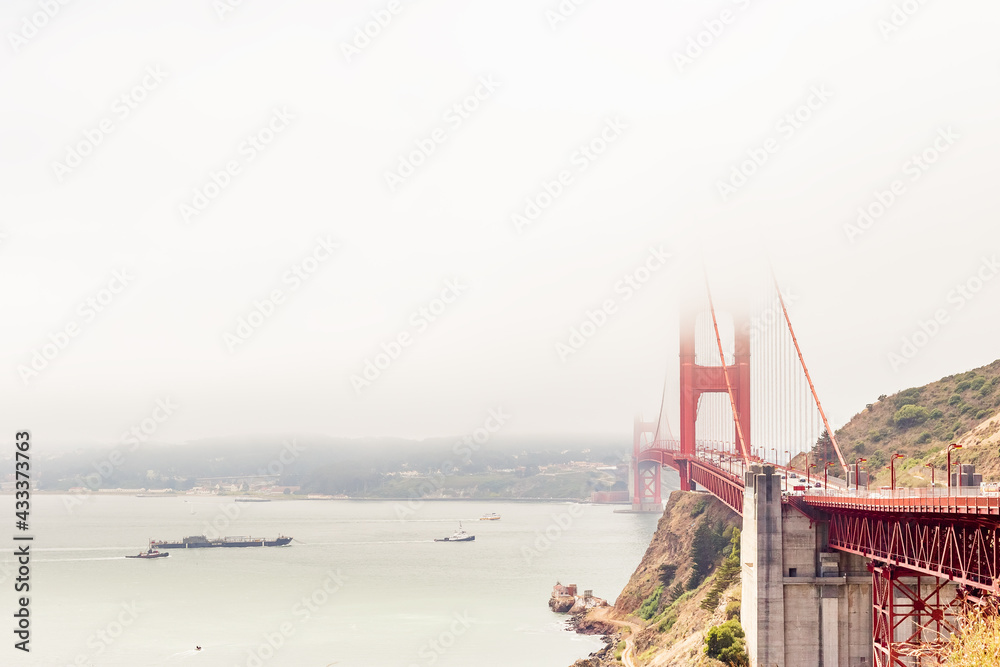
x=920, y=422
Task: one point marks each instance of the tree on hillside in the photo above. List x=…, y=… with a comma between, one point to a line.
x=824, y=446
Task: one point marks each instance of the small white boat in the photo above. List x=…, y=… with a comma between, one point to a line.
x=490, y=516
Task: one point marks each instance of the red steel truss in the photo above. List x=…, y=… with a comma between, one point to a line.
x=912, y=617
x=723, y=485
x=961, y=549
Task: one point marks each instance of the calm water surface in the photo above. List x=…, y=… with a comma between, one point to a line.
x=359, y=587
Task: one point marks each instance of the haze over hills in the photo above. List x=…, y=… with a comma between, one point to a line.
x=364, y=467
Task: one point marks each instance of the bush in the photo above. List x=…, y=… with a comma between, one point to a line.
x=910, y=415
x=907, y=397
x=982, y=414
x=936, y=413
x=924, y=437
x=978, y=383
x=726, y=643
x=699, y=506
x=963, y=385
x=651, y=605
x=954, y=399
x=733, y=610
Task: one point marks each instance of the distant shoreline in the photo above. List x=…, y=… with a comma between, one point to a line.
x=292, y=497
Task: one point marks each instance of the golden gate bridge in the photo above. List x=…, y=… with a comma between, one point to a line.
x=746, y=399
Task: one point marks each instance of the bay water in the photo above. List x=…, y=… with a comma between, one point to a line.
x=362, y=585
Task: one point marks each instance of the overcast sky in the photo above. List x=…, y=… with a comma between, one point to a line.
x=169, y=168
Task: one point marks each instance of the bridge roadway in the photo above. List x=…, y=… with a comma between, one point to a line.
x=946, y=533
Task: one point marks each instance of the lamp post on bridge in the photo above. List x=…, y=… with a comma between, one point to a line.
x=788, y=459
x=892, y=469
x=775, y=450
x=951, y=447
x=931, y=466
x=826, y=473
x=811, y=465
x=857, y=473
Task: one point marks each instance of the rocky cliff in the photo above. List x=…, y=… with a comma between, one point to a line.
x=687, y=581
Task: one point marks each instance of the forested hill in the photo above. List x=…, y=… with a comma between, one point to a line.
x=919, y=423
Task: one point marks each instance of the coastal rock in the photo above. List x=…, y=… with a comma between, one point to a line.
x=561, y=605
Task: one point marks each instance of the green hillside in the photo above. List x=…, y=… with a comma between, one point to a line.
x=919, y=423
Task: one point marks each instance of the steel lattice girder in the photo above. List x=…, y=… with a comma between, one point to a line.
x=895, y=602
x=963, y=550
x=727, y=488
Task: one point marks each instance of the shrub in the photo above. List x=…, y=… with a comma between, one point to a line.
x=651, y=605
x=982, y=414
x=963, y=385
x=699, y=506
x=910, y=415
x=924, y=437
x=907, y=397
x=965, y=408
x=726, y=643
x=978, y=383
x=733, y=609
x=954, y=399
x=936, y=413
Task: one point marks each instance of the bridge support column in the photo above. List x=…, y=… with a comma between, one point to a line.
x=763, y=603
x=802, y=604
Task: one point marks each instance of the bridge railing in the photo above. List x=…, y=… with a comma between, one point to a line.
x=956, y=500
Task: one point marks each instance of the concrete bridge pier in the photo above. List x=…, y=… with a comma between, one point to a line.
x=803, y=605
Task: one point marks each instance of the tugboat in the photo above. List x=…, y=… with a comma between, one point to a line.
x=458, y=536
x=151, y=553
